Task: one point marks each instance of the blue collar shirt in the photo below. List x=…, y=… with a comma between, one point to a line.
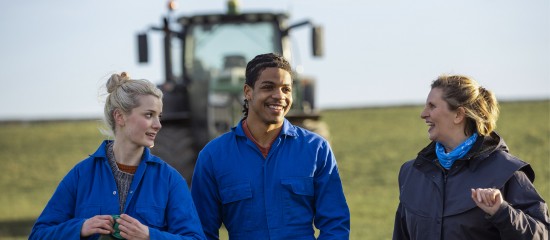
x=158, y=197
x=277, y=197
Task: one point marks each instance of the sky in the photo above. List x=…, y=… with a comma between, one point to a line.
x=56, y=55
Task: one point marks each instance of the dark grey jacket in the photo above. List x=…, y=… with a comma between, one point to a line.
x=437, y=204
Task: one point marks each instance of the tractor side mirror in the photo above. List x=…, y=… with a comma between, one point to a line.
x=143, y=49
x=317, y=41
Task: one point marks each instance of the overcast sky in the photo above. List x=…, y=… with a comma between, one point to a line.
x=55, y=55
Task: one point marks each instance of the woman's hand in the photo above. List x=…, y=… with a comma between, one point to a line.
x=102, y=224
x=131, y=228
x=488, y=199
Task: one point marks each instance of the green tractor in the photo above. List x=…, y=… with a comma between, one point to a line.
x=205, y=57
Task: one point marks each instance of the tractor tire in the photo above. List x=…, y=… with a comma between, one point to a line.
x=174, y=145
x=309, y=95
x=318, y=127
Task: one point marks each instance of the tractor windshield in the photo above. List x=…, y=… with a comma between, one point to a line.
x=214, y=48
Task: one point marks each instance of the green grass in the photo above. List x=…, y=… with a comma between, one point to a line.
x=370, y=145
x=35, y=156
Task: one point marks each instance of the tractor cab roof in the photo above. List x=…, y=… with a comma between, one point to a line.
x=232, y=18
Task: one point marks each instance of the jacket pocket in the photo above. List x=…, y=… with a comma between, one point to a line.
x=152, y=216
x=300, y=186
x=238, y=206
x=421, y=227
x=236, y=192
x=298, y=200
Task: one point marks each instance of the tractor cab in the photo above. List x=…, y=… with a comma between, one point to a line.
x=205, y=57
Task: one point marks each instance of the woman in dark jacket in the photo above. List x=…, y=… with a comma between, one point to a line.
x=465, y=184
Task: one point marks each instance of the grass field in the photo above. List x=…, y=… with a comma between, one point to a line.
x=370, y=145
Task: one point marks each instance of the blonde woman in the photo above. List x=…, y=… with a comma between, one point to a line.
x=122, y=179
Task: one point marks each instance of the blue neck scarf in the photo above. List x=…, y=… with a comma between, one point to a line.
x=447, y=159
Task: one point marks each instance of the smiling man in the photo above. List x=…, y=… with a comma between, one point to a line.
x=266, y=178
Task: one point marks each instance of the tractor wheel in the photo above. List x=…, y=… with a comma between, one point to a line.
x=174, y=145
x=309, y=95
x=318, y=127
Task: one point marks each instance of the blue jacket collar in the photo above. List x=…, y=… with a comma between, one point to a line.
x=288, y=129
x=101, y=153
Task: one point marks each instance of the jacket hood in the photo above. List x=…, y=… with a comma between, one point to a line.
x=482, y=149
